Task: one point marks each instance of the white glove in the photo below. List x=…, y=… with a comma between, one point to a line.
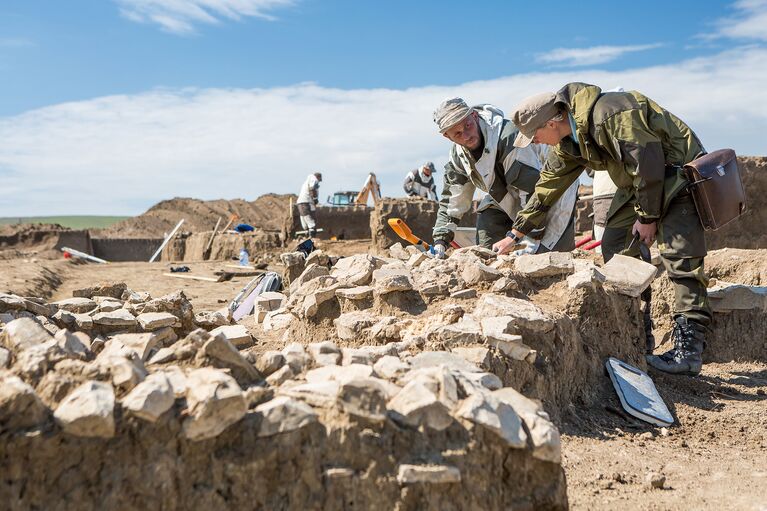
x=437, y=251
x=529, y=246
x=312, y=206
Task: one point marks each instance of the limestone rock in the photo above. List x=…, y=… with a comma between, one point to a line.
x=585, y=278
x=149, y=321
x=320, y=394
x=628, y=275
x=418, y=405
x=282, y=415
x=496, y=416
x=73, y=344
x=277, y=320
x=151, y=398
x=351, y=324
x=236, y=334
x=325, y=353
x=210, y=320
x=269, y=362
x=109, y=305
x=214, y=401
x=296, y=356
x=175, y=303
x=428, y=359
x=20, y=407
x=363, y=398
x=355, y=293
x=526, y=314
x=76, y=305
x=5, y=358
x=547, y=445
x=142, y=344
x=88, y=411
x=10, y=302
x=23, y=333
x=477, y=355
x=547, y=264
x=511, y=346
x=339, y=373
x=432, y=474
x=390, y=367
x=225, y=355
x=33, y=362
x=118, y=318
x=478, y=272
x=465, y=331
x=391, y=280
x=356, y=270
x=398, y=252
x=504, y=285
x=280, y=376
x=311, y=272
x=726, y=296
x=111, y=289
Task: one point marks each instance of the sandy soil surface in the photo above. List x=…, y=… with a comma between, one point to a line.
x=714, y=458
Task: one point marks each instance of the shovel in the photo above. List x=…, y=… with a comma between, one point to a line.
x=404, y=232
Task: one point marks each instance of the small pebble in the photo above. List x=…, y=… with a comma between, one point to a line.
x=655, y=480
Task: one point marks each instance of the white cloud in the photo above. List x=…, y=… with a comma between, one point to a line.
x=750, y=22
x=181, y=16
x=121, y=154
x=574, y=57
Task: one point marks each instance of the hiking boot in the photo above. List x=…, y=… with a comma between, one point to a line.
x=648, y=326
x=686, y=357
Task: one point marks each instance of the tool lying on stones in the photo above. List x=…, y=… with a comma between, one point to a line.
x=166, y=240
x=231, y=219
x=583, y=241
x=82, y=255
x=220, y=278
x=637, y=393
x=403, y=231
x=243, y=303
x=592, y=245
x=206, y=252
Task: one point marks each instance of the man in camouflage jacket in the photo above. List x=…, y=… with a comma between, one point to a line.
x=643, y=147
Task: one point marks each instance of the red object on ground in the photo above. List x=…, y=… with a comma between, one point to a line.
x=454, y=244
x=593, y=244
x=583, y=241
x=67, y=255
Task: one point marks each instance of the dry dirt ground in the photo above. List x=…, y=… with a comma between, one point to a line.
x=714, y=458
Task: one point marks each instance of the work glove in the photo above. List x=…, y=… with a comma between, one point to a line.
x=437, y=250
x=528, y=246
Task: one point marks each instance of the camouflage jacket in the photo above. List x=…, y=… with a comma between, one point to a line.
x=625, y=133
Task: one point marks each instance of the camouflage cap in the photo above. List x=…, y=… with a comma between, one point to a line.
x=450, y=112
x=429, y=165
x=531, y=114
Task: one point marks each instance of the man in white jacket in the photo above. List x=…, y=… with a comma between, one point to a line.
x=308, y=197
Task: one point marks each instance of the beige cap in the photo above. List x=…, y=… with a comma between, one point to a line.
x=450, y=112
x=533, y=113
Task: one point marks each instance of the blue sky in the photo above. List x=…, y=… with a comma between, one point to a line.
x=108, y=106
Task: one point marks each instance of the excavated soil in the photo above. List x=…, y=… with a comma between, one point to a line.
x=267, y=212
x=713, y=458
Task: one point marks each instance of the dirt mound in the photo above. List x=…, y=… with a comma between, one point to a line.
x=267, y=212
x=40, y=236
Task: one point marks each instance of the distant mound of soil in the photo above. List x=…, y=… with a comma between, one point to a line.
x=267, y=212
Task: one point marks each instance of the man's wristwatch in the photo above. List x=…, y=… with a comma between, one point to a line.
x=514, y=237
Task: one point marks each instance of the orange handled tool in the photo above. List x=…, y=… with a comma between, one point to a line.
x=404, y=232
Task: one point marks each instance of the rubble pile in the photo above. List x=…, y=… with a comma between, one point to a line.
x=102, y=393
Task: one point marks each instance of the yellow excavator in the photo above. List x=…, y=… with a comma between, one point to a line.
x=371, y=189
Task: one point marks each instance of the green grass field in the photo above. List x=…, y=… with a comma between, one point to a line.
x=73, y=222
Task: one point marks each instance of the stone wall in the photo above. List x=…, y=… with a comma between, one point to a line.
x=341, y=222
x=191, y=246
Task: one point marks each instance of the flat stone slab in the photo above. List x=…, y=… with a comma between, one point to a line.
x=628, y=275
x=548, y=264
x=76, y=304
x=88, y=411
x=119, y=317
x=726, y=296
x=236, y=334
x=524, y=312
x=283, y=414
x=155, y=320
x=428, y=474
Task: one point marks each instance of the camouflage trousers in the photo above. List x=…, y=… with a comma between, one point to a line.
x=682, y=249
x=493, y=224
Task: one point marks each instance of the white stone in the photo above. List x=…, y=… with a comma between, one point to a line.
x=391, y=280
x=496, y=416
x=77, y=305
x=547, y=264
x=511, y=346
x=356, y=270
x=269, y=362
x=479, y=272
x=628, y=275
x=280, y=376
x=726, y=296
x=525, y=313
x=296, y=356
x=350, y=325
x=117, y=318
x=142, y=344
x=436, y=358
x=364, y=398
x=418, y=405
x=283, y=414
x=432, y=474
x=236, y=334
x=214, y=402
x=339, y=373
x=355, y=293
x=219, y=348
x=72, y=344
x=151, y=398
x=390, y=367
x=177, y=379
x=88, y=411
x=325, y=353
x=149, y=321
x=547, y=445
x=477, y=355
x=318, y=394
x=585, y=278
x=277, y=320
x=23, y=333
x=19, y=405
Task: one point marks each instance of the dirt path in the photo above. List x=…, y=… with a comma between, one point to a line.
x=713, y=459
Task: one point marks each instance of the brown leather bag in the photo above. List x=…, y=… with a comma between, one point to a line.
x=716, y=188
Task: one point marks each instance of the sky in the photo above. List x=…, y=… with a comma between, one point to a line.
x=109, y=106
